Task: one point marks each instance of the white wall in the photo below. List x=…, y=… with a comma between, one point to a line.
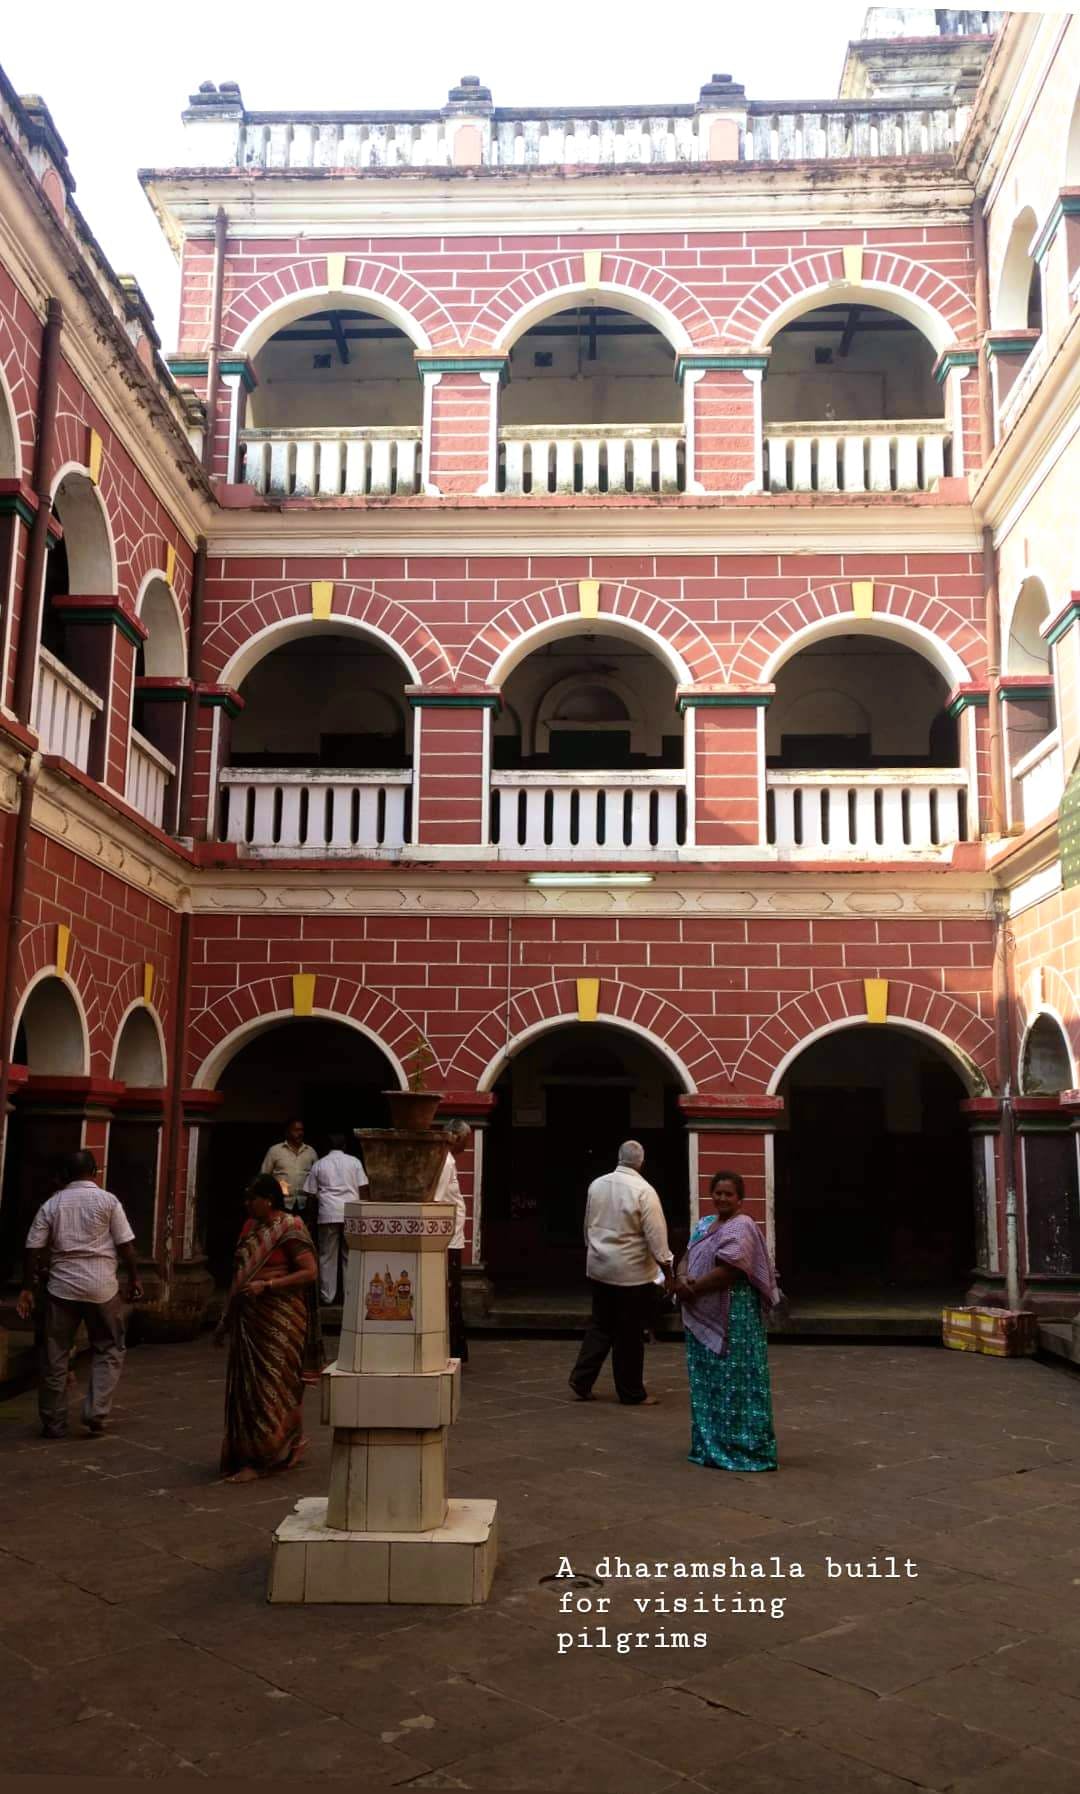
x=885, y=374
x=839, y=685
x=327, y=685
x=632, y=380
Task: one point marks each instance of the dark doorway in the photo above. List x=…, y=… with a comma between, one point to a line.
x=564, y=1105
x=874, y=1186
x=133, y=1175
x=35, y=1158
x=323, y=1071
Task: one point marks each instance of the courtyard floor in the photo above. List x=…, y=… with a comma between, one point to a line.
x=135, y=1639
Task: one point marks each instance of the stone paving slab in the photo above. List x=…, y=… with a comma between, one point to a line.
x=135, y=1636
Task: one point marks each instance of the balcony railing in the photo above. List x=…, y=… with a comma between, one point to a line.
x=873, y=813
x=148, y=778
x=589, y=813
x=908, y=456
x=536, y=459
x=281, y=810
x=65, y=711
x=1041, y=778
x=329, y=463
x=560, y=136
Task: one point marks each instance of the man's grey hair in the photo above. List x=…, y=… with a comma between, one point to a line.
x=632, y=1153
x=458, y=1130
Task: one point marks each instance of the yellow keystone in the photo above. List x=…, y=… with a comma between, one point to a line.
x=588, y=999
x=588, y=592
x=594, y=260
x=94, y=458
x=853, y=263
x=335, y=271
x=322, y=599
x=303, y=993
x=862, y=597
x=877, y=999
x=170, y=565
x=147, y=982
x=63, y=945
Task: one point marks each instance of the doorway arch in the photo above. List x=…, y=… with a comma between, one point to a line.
x=327, y=1072
x=567, y=1094
x=873, y=1188
x=51, y=1040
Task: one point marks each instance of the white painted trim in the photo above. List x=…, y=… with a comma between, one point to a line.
x=965, y=1067
x=191, y=1189
x=486, y=732
x=881, y=623
x=899, y=300
x=141, y=1003
x=234, y=382
x=492, y=380
x=158, y=573
x=278, y=635
x=206, y=1078
x=73, y=991
x=690, y=773
x=80, y=468
x=577, y=293
x=1042, y=884
x=475, y=1257
x=770, y=1196
x=691, y=379
x=756, y=378
x=297, y=305
x=430, y=382
x=417, y=750
x=693, y=1167
x=575, y=624
x=7, y=404
x=496, y=1066
x=955, y=379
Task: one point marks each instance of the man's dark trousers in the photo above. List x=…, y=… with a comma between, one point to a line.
x=620, y=1314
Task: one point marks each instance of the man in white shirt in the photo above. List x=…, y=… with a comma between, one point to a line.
x=84, y=1231
x=290, y=1161
x=626, y=1236
x=333, y=1181
x=458, y=1134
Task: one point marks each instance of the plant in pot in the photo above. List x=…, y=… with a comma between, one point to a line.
x=414, y=1109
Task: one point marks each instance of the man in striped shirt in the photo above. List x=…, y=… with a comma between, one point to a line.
x=84, y=1233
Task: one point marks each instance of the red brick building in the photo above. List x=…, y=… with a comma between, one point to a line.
x=591, y=603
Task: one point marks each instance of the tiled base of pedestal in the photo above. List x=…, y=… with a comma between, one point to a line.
x=452, y=1566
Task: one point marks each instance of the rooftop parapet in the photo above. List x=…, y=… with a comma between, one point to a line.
x=470, y=131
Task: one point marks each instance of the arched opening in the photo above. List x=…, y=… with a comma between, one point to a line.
x=565, y=1103
x=76, y=655
x=1049, y=1146
x=592, y=406
x=851, y=403
x=337, y=406
x=874, y=1193
x=861, y=752
x=50, y=1041
x=135, y=1132
x=157, y=718
x=1072, y=152
x=588, y=748
x=10, y=452
x=163, y=655
x=1019, y=304
x=1033, y=750
x=325, y=1072
x=320, y=755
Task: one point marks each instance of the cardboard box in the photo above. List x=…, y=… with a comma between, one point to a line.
x=996, y=1332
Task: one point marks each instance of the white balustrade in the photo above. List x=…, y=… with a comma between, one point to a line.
x=588, y=813
x=537, y=459
x=909, y=455
x=282, y=810
x=874, y=813
x=831, y=130
x=345, y=463
x=148, y=778
x=64, y=712
x=1041, y=778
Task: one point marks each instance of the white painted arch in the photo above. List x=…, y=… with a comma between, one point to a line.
x=930, y=323
x=1026, y=650
x=10, y=446
x=278, y=635
x=152, y=1021
x=558, y=628
x=206, y=1078
x=966, y=1069
x=497, y=1065
x=88, y=537
x=1047, y=1012
x=158, y=609
x=324, y=298
x=915, y=636
x=1018, y=271
x=66, y=1055
x=604, y=292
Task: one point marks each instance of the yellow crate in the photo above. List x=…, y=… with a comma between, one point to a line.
x=996, y=1332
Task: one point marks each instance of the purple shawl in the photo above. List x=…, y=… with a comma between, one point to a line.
x=741, y=1244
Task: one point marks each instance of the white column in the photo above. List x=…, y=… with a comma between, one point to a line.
x=237, y=397
x=491, y=379
x=754, y=375
x=431, y=381
x=954, y=409
x=689, y=382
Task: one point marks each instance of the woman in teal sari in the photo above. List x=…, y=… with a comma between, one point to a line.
x=725, y=1285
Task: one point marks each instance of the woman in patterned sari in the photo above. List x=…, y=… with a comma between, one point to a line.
x=266, y=1323
x=725, y=1284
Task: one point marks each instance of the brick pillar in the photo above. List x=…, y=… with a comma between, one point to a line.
x=451, y=760
x=100, y=640
x=213, y=699
x=460, y=423
x=161, y=706
x=1007, y=351
x=1027, y=709
x=983, y=1114
x=731, y=1132
x=725, y=754
x=723, y=421
x=956, y=372
x=237, y=380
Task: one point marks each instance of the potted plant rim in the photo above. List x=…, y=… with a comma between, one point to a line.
x=414, y=1109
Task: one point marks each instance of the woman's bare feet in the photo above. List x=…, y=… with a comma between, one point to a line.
x=246, y=1475
x=297, y=1456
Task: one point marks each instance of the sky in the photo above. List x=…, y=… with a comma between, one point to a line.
x=116, y=76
